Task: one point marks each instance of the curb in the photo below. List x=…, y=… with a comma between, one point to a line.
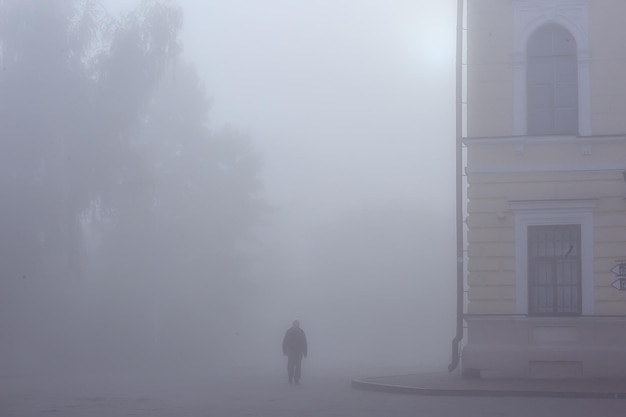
x=365, y=385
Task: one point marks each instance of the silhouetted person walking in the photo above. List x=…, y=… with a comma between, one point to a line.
x=295, y=347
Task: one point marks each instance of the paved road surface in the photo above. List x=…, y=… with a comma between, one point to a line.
x=259, y=396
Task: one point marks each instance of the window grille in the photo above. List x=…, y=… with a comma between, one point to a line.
x=554, y=269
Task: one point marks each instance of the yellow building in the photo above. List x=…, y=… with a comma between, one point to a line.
x=546, y=213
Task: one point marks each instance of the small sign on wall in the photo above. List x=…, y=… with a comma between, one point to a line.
x=620, y=273
x=620, y=284
x=620, y=269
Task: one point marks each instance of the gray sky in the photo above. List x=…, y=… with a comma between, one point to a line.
x=352, y=105
x=350, y=102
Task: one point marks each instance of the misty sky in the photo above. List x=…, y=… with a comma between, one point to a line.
x=349, y=102
x=352, y=105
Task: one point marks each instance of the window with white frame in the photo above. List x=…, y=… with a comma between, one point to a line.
x=552, y=82
x=551, y=34
x=554, y=256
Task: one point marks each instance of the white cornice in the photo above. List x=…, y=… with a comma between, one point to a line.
x=548, y=205
x=610, y=170
x=538, y=140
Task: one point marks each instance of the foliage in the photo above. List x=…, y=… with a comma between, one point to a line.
x=109, y=172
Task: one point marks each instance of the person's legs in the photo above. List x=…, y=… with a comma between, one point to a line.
x=297, y=370
x=291, y=364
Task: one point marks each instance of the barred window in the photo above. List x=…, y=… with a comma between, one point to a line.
x=554, y=270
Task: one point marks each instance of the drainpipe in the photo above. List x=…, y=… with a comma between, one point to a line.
x=459, y=189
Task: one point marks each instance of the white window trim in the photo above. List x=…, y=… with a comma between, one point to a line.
x=530, y=15
x=553, y=212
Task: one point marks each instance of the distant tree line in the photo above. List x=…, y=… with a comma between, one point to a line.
x=115, y=192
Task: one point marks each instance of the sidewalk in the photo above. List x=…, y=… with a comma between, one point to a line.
x=451, y=384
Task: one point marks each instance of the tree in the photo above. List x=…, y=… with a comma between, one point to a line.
x=179, y=234
x=73, y=90
x=111, y=179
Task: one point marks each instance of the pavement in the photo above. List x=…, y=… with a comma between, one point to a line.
x=452, y=384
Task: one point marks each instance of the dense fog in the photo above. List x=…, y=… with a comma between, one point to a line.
x=181, y=180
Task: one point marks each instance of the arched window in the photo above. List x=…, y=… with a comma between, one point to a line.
x=552, y=82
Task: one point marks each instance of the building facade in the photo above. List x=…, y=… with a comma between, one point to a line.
x=546, y=188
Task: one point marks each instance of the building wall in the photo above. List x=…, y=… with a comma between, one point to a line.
x=608, y=59
x=527, y=169
x=490, y=68
x=490, y=31
x=513, y=177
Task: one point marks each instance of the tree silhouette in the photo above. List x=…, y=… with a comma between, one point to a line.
x=111, y=179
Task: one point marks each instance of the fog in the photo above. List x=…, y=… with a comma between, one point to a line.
x=179, y=184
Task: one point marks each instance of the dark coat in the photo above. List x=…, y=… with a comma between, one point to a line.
x=294, y=342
